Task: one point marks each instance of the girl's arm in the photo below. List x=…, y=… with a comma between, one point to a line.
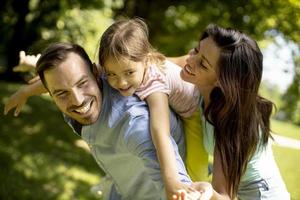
x=215, y=191
x=180, y=61
x=160, y=132
x=19, y=98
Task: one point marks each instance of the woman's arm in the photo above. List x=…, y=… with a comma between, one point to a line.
x=160, y=132
x=218, y=179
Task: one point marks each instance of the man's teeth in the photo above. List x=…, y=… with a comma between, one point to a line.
x=83, y=109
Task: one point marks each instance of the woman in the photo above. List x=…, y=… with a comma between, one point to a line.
x=227, y=67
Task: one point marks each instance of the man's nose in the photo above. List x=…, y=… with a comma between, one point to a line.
x=77, y=98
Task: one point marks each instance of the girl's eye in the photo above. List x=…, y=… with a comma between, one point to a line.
x=129, y=73
x=110, y=74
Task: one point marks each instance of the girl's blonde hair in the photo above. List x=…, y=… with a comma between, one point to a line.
x=128, y=39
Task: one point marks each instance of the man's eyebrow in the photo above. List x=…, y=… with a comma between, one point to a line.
x=62, y=90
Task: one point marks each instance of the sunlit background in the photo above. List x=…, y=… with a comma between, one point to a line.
x=40, y=157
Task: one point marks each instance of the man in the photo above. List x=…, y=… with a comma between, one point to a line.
x=115, y=127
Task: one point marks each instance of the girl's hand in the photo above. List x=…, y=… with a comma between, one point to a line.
x=202, y=191
x=17, y=101
x=181, y=191
x=26, y=62
x=186, y=195
x=205, y=189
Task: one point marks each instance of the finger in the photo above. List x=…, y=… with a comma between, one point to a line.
x=18, y=109
x=5, y=110
x=22, y=56
x=174, y=197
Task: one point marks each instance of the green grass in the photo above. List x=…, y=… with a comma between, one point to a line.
x=288, y=163
x=285, y=129
x=287, y=158
x=39, y=158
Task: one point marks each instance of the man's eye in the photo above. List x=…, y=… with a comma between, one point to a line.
x=61, y=95
x=83, y=83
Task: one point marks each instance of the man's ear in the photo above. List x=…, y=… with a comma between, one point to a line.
x=96, y=70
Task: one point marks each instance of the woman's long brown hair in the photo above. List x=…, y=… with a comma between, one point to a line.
x=240, y=116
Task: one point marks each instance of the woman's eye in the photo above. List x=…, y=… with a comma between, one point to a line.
x=202, y=65
x=196, y=50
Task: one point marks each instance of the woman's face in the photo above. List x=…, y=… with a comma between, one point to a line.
x=201, y=65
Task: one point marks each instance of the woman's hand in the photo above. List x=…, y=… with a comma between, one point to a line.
x=26, y=62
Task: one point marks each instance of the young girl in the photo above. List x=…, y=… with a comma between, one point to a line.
x=132, y=66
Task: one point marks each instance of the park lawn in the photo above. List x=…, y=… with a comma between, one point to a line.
x=288, y=158
x=288, y=161
x=40, y=156
x=285, y=129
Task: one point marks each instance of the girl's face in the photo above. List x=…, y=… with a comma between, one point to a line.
x=201, y=65
x=124, y=75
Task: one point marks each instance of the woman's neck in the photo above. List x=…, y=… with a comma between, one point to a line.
x=205, y=92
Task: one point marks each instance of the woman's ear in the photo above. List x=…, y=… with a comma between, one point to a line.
x=217, y=84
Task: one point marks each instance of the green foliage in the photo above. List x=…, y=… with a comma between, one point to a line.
x=291, y=98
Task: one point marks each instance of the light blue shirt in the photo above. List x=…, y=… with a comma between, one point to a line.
x=121, y=144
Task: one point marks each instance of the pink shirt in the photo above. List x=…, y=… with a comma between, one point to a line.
x=183, y=96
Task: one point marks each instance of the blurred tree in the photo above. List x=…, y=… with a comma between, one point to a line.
x=176, y=25
x=32, y=24
x=291, y=98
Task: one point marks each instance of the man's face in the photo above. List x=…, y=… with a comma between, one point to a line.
x=74, y=89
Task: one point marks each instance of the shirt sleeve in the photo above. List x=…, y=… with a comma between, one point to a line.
x=154, y=81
